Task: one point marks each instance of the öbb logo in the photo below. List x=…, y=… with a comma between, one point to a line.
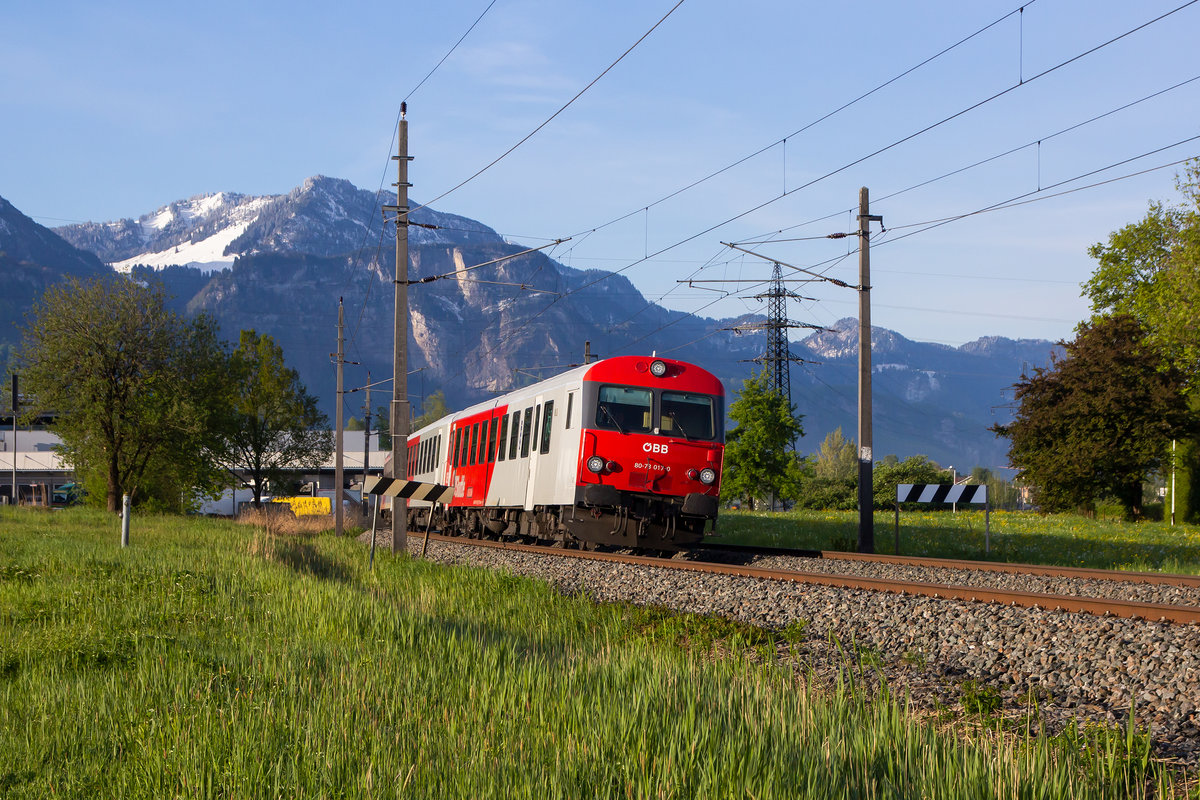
x=654, y=447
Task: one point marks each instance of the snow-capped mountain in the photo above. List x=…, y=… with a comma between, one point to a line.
x=322, y=217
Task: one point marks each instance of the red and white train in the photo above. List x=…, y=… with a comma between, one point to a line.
x=625, y=452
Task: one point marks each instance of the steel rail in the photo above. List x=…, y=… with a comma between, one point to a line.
x=1092, y=573
x=1152, y=612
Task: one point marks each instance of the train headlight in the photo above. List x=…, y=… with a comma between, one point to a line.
x=658, y=368
x=595, y=464
x=708, y=476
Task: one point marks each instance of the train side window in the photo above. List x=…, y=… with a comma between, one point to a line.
x=473, y=444
x=528, y=421
x=537, y=422
x=483, y=435
x=492, y=439
x=454, y=447
x=503, y=437
x=516, y=428
x=547, y=418
x=570, y=405
x=466, y=443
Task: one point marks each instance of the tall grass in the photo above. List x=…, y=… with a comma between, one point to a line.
x=1016, y=536
x=215, y=660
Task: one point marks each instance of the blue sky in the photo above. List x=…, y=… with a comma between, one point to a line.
x=114, y=110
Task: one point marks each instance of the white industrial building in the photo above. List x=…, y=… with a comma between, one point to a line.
x=40, y=472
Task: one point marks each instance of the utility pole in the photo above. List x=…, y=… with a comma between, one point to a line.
x=16, y=407
x=338, y=473
x=587, y=353
x=366, y=510
x=866, y=502
x=399, y=411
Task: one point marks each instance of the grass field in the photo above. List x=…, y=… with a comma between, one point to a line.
x=215, y=660
x=1016, y=536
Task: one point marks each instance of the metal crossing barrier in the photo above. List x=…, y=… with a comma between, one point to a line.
x=409, y=490
x=946, y=493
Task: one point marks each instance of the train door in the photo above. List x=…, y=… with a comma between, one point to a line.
x=513, y=487
x=529, y=451
x=551, y=449
x=565, y=443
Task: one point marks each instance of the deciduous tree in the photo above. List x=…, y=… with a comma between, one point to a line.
x=1098, y=420
x=759, y=460
x=1151, y=269
x=274, y=424
x=135, y=387
x=837, y=458
x=434, y=409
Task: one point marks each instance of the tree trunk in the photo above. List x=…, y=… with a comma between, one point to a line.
x=114, y=484
x=1131, y=499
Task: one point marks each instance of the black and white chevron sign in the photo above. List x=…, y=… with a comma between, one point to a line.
x=409, y=490
x=940, y=493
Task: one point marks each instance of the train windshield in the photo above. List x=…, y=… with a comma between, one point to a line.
x=634, y=409
x=687, y=415
x=624, y=408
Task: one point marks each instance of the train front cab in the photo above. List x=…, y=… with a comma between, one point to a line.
x=651, y=454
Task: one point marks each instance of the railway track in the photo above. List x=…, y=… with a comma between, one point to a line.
x=1122, y=576
x=1099, y=606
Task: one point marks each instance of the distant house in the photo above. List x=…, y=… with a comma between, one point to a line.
x=40, y=472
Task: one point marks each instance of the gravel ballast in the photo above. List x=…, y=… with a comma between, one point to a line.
x=1076, y=666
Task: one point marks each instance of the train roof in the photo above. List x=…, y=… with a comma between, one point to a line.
x=688, y=377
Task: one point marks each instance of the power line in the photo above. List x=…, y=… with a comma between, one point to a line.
x=448, y=52
x=979, y=163
x=1026, y=199
x=894, y=144
x=844, y=167
x=383, y=175
x=563, y=108
x=802, y=129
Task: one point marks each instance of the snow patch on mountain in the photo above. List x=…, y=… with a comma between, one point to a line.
x=207, y=255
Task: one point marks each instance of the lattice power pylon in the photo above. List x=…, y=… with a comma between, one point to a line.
x=778, y=356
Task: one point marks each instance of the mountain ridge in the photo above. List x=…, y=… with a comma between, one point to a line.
x=477, y=333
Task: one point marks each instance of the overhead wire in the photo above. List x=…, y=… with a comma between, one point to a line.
x=551, y=118
x=844, y=167
x=1025, y=198
x=888, y=147
x=448, y=53
x=979, y=163
x=1011, y=203
x=383, y=178
x=809, y=125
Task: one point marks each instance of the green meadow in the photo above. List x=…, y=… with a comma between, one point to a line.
x=211, y=659
x=1022, y=537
